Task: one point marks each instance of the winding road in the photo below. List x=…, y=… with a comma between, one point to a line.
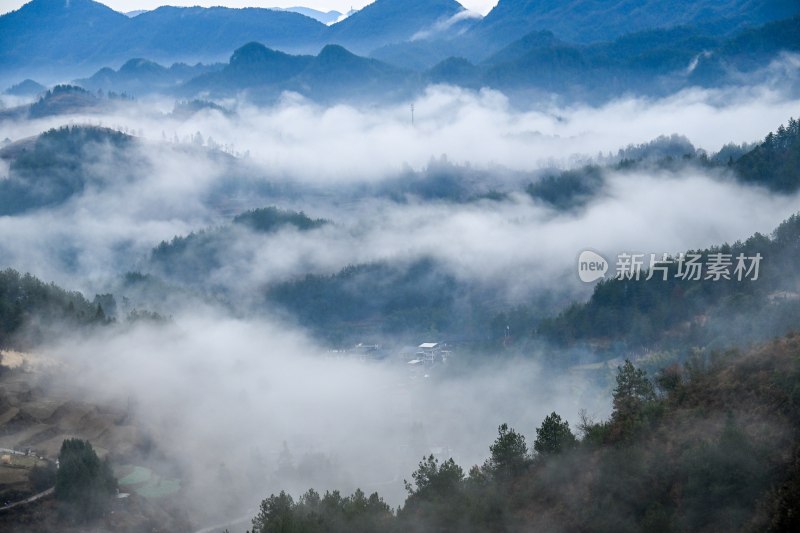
x=32, y=499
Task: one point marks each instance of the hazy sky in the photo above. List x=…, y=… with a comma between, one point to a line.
x=482, y=6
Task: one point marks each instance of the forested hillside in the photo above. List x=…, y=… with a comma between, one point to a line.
x=29, y=306
x=191, y=258
x=775, y=163
x=53, y=167
x=708, y=445
x=684, y=310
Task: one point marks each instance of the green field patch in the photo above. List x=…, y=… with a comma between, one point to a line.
x=137, y=475
x=159, y=488
x=145, y=482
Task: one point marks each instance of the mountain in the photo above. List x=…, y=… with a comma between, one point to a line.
x=394, y=21
x=426, y=33
x=454, y=71
x=57, y=37
x=328, y=17
x=61, y=38
x=751, y=49
x=519, y=48
x=419, y=55
x=603, y=20
x=337, y=74
x=47, y=34
x=680, y=312
x=252, y=66
x=193, y=258
x=193, y=33
x=26, y=88
x=332, y=75
x=140, y=76
x=653, y=62
x=775, y=163
x=46, y=302
x=50, y=169
x=708, y=442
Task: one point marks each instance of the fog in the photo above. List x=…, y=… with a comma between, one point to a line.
x=213, y=389
x=171, y=189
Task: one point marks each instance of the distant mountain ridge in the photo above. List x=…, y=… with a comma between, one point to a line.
x=602, y=20
x=334, y=74
x=584, y=22
x=143, y=76
x=325, y=17
x=655, y=62
x=56, y=36
x=398, y=45
x=394, y=21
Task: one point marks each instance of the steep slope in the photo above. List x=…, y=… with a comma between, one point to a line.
x=24, y=299
x=393, y=21
x=775, y=163
x=750, y=50
x=26, y=87
x=59, y=36
x=337, y=74
x=196, y=33
x=57, y=165
x=584, y=22
x=325, y=17
x=56, y=33
x=707, y=445
x=251, y=66
x=334, y=74
x=86, y=34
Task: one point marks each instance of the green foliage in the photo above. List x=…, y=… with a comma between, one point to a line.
x=270, y=219
x=572, y=188
x=329, y=513
x=633, y=395
x=29, y=306
x=724, y=477
x=775, y=163
x=191, y=258
x=42, y=477
x=509, y=455
x=553, y=436
x=633, y=388
x=433, y=481
x=63, y=99
x=84, y=483
x=437, y=496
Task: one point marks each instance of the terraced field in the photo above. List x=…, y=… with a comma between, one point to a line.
x=35, y=415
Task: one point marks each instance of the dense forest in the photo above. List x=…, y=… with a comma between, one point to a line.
x=380, y=299
x=51, y=169
x=190, y=258
x=775, y=163
x=84, y=484
x=772, y=164
x=681, y=310
x=28, y=307
x=709, y=445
